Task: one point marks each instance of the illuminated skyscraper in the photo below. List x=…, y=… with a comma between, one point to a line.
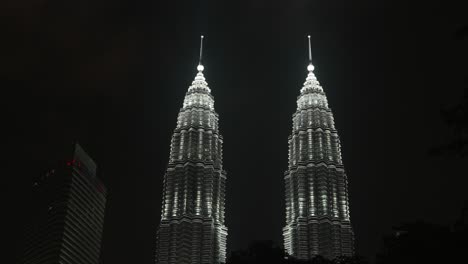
x=67, y=217
x=192, y=226
x=317, y=207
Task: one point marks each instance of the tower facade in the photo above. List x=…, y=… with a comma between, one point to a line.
x=317, y=207
x=68, y=213
x=192, y=226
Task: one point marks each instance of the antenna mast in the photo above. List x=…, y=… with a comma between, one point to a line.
x=310, y=67
x=201, y=50
x=200, y=66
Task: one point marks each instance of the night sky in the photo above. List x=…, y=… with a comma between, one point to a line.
x=113, y=74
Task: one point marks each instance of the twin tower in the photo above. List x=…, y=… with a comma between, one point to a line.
x=192, y=228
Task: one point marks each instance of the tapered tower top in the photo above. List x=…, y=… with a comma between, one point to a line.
x=199, y=92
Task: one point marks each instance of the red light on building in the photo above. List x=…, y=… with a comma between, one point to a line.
x=73, y=162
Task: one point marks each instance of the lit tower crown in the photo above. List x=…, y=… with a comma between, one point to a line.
x=192, y=226
x=317, y=207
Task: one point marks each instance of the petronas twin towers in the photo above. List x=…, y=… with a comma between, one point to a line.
x=192, y=228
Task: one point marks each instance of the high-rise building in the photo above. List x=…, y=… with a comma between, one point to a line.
x=67, y=213
x=192, y=226
x=317, y=207
x=462, y=221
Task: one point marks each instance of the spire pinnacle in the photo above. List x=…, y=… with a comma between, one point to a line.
x=310, y=67
x=200, y=67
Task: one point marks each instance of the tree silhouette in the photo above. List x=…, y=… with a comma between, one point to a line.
x=456, y=118
x=267, y=252
x=421, y=242
x=417, y=242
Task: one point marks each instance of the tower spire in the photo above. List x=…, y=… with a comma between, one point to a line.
x=200, y=67
x=310, y=67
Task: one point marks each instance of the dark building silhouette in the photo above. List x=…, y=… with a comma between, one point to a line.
x=317, y=207
x=67, y=213
x=192, y=226
x=462, y=222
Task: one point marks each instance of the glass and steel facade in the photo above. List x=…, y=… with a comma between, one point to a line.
x=68, y=213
